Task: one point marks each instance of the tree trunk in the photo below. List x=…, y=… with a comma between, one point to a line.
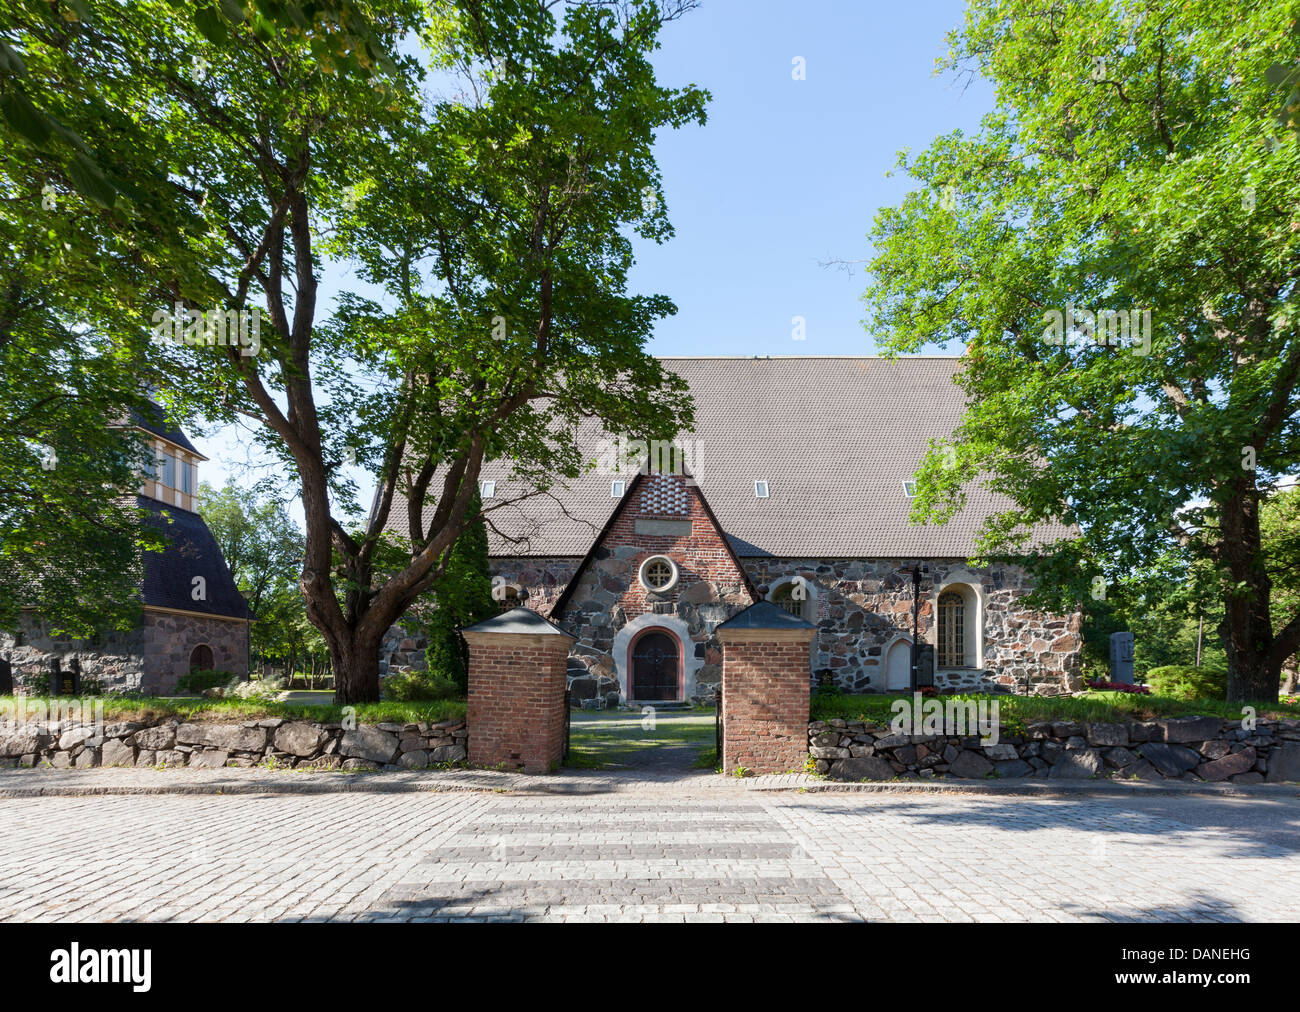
x=1247, y=632
x=355, y=662
x=1247, y=627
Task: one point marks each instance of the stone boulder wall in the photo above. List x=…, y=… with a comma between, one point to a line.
x=288, y=743
x=1186, y=748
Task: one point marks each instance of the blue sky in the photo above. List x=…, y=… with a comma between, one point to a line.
x=787, y=173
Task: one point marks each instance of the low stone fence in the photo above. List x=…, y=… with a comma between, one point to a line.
x=299, y=744
x=1186, y=748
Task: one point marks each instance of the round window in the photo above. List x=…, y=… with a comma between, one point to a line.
x=658, y=574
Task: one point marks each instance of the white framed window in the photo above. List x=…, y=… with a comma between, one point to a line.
x=168, y=470
x=760, y=490
x=487, y=489
x=959, y=625
x=658, y=574
x=616, y=489
x=794, y=596
x=909, y=489
x=188, y=470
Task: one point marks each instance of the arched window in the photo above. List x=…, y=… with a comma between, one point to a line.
x=512, y=596
x=201, y=658
x=794, y=597
x=952, y=630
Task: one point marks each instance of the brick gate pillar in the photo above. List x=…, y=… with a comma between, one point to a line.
x=766, y=688
x=517, y=680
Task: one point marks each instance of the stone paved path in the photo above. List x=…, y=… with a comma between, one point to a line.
x=650, y=855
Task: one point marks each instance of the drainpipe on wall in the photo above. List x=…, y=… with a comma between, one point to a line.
x=916, y=622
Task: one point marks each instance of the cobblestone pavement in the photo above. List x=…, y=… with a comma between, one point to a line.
x=648, y=855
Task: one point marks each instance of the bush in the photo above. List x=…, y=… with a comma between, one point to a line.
x=462, y=596
x=200, y=680
x=1182, y=681
x=413, y=687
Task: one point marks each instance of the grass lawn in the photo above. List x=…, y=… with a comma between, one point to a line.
x=1103, y=707
x=148, y=709
x=606, y=738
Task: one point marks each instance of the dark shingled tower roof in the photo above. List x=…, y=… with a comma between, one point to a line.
x=191, y=551
x=154, y=419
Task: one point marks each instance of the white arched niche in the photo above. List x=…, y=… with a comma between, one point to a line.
x=670, y=624
x=970, y=586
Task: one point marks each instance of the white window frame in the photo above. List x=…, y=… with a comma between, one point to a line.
x=807, y=607
x=640, y=574
x=909, y=488
x=616, y=489
x=761, y=489
x=971, y=587
x=487, y=489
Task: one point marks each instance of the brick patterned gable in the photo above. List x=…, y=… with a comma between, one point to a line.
x=661, y=514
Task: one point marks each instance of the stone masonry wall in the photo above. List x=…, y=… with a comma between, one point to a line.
x=151, y=658
x=169, y=640
x=1186, y=748
x=860, y=606
x=115, y=660
x=300, y=744
x=667, y=518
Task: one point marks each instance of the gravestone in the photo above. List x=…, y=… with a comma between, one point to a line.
x=925, y=665
x=65, y=683
x=1121, y=657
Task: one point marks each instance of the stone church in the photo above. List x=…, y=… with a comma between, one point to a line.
x=794, y=486
x=193, y=615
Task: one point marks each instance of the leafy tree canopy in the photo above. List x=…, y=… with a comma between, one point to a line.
x=239, y=154
x=1134, y=162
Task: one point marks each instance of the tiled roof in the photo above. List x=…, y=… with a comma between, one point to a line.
x=192, y=551
x=765, y=615
x=517, y=620
x=834, y=438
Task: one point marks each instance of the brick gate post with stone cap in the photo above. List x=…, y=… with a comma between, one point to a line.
x=517, y=679
x=766, y=689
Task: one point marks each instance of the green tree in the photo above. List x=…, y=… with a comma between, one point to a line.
x=1134, y=161
x=461, y=597
x=1279, y=528
x=284, y=638
x=260, y=542
x=239, y=152
x=71, y=536
x=263, y=549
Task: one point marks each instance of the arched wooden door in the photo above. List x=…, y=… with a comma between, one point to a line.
x=655, y=666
